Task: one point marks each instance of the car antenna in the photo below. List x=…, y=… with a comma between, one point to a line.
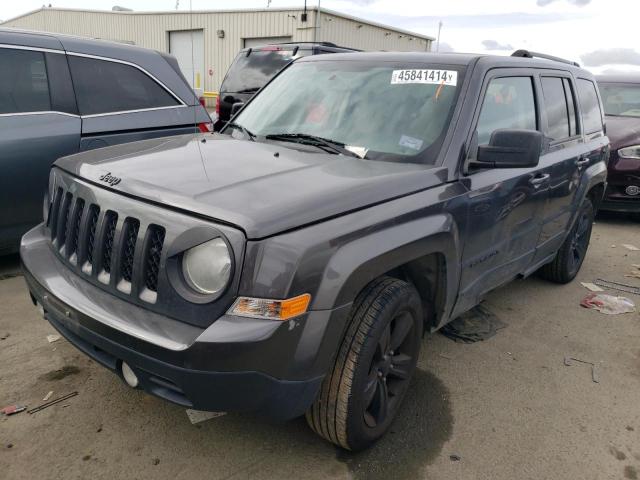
x=193, y=83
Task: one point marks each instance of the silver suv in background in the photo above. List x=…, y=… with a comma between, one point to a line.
x=61, y=95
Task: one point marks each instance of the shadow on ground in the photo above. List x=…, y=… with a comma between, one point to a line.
x=618, y=218
x=416, y=437
x=9, y=266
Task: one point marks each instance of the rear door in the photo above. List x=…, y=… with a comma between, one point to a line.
x=562, y=159
x=120, y=102
x=38, y=124
x=592, y=116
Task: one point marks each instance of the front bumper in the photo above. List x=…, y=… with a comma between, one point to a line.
x=615, y=200
x=236, y=364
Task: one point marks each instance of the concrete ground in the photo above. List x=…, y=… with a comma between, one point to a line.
x=508, y=408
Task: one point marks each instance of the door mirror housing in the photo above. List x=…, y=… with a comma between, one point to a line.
x=511, y=149
x=236, y=107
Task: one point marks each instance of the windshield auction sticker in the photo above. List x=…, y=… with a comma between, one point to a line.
x=428, y=76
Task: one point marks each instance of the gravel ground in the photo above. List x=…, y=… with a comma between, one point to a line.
x=506, y=408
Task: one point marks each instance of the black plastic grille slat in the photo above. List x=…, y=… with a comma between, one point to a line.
x=55, y=211
x=131, y=227
x=92, y=223
x=75, y=226
x=152, y=257
x=111, y=219
x=64, y=219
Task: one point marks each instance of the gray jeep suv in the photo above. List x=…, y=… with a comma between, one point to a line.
x=61, y=95
x=292, y=266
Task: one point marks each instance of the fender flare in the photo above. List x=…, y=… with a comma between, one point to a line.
x=360, y=261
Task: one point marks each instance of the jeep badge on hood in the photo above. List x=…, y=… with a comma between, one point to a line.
x=110, y=179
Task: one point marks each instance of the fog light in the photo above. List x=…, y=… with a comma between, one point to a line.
x=633, y=190
x=129, y=376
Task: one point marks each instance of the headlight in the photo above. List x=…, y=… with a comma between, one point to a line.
x=207, y=267
x=630, y=152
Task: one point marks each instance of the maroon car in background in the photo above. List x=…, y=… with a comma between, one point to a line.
x=621, y=100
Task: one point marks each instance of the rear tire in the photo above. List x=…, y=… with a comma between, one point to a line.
x=573, y=251
x=361, y=395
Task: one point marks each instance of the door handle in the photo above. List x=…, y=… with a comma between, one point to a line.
x=583, y=161
x=539, y=179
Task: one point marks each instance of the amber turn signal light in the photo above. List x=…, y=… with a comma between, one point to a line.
x=271, y=309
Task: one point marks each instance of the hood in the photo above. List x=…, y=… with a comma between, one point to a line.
x=623, y=131
x=262, y=188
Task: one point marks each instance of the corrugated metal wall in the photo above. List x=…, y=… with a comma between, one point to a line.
x=151, y=30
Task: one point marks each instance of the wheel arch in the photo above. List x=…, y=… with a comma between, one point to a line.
x=423, y=252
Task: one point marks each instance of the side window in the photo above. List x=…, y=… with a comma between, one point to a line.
x=103, y=87
x=24, y=86
x=591, y=113
x=557, y=107
x=508, y=103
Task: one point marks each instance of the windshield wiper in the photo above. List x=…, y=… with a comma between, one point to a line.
x=249, y=90
x=305, y=139
x=248, y=134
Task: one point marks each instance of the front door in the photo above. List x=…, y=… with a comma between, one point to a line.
x=504, y=220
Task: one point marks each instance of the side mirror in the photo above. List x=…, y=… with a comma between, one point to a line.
x=236, y=107
x=511, y=149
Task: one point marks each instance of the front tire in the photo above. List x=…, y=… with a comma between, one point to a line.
x=361, y=395
x=573, y=251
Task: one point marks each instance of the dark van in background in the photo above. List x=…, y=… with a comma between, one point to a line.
x=254, y=67
x=61, y=95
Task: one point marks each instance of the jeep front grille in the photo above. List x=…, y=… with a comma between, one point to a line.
x=103, y=246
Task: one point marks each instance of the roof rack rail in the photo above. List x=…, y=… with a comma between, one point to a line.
x=325, y=44
x=529, y=54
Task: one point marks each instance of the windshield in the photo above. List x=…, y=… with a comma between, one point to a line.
x=380, y=111
x=252, y=69
x=621, y=99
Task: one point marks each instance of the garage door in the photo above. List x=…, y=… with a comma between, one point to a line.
x=256, y=42
x=188, y=47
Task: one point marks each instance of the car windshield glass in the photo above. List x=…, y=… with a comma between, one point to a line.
x=621, y=99
x=249, y=73
x=381, y=111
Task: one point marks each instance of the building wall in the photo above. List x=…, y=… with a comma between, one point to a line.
x=151, y=30
x=351, y=33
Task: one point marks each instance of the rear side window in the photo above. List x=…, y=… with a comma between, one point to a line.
x=560, y=108
x=249, y=73
x=105, y=87
x=508, y=103
x=24, y=86
x=555, y=104
x=591, y=113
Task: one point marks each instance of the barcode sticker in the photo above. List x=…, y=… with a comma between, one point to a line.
x=427, y=76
